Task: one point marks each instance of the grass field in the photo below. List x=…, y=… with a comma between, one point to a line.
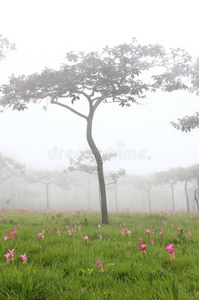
x=61, y=264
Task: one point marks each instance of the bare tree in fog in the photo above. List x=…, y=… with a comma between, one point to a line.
x=115, y=75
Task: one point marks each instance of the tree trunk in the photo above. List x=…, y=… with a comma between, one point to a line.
x=100, y=172
x=116, y=207
x=149, y=198
x=187, y=198
x=47, y=195
x=172, y=196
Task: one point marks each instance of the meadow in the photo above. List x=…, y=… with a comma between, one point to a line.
x=71, y=255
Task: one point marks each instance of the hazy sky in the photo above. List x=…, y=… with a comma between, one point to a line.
x=141, y=135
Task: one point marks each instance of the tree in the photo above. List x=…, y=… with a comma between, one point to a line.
x=113, y=178
x=189, y=123
x=116, y=75
x=9, y=168
x=5, y=47
x=195, y=170
x=48, y=178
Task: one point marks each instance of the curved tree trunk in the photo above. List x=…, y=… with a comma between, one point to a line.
x=187, y=198
x=100, y=171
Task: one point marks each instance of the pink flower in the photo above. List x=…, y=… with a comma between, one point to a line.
x=4, y=219
x=39, y=235
x=126, y=229
x=178, y=230
x=18, y=225
x=142, y=247
x=58, y=232
x=69, y=232
x=161, y=233
x=189, y=232
x=86, y=239
x=172, y=225
x=5, y=238
x=100, y=266
x=99, y=226
x=8, y=233
x=171, y=251
x=79, y=227
x=15, y=229
x=122, y=231
x=129, y=232
x=100, y=236
x=140, y=239
x=164, y=222
x=152, y=242
x=24, y=258
x=51, y=228
x=148, y=232
x=13, y=234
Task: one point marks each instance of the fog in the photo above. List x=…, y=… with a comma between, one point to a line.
x=141, y=135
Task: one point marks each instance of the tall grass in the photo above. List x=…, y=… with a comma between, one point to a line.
x=64, y=266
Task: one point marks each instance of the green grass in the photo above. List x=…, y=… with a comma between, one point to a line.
x=64, y=267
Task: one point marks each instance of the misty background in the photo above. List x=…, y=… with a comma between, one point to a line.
x=141, y=135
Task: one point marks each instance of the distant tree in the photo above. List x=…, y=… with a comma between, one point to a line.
x=113, y=178
x=185, y=175
x=116, y=75
x=5, y=47
x=47, y=178
x=168, y=177
x=195, y=170
x=9, y=168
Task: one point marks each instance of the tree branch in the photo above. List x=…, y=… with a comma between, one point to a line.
x=69, y=108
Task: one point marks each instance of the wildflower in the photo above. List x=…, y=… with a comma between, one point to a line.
x=189, y=232
x=129, y=232
x=99, y=226
x=5, y=238
x=10, y=255
x=69, y=232
x=161, y=233
x=79, y=227
x=148, y=232
x=51, y=228
x=4, y=219
x=171, y=251
x=24, y=258
x=164, y=222
x=142, y=247
x=8, y=233
x=152, y=242
x=100, y=236
x=178, y=230
x=18, y=225
x=122, y=231
x=126, y=229
x=86, y=239
x=140, y=239
x=120, y=225
x=58, y=232
x=13, y=234
x=172, y=225
x=100, y=266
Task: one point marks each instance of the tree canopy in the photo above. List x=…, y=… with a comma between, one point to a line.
x=189, y=123
x=9, y=168
x=5, y=47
